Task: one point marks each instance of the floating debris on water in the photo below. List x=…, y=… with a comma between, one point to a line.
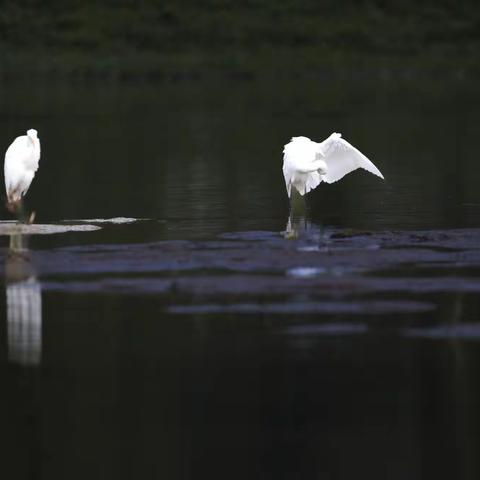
x=114, y=220
x=14, y=228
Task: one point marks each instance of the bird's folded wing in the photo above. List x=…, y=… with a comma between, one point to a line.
x=32, y=163
x=342, y=158
x=298, y=158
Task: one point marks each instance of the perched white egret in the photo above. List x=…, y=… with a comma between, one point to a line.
x=307, y=163
x=21, y=163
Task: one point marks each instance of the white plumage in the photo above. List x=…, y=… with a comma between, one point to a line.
x=21, y=163
x=307, y=163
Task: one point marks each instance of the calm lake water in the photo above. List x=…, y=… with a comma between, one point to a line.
x=201, y=343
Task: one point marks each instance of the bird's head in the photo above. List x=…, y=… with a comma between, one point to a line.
x=300, y=139
x=32, y=134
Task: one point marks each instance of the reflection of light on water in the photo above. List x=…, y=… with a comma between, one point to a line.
x=24, y=305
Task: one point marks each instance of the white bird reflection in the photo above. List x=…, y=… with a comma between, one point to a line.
x=24, y=305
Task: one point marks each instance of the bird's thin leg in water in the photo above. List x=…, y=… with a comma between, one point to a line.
x=20, y=212
x=24, y=216
x=298, y=210
x=297, y=220
x=298, y=206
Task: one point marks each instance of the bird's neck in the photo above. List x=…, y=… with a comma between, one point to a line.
x=35, y=143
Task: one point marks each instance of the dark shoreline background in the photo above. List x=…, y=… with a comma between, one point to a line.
x=175, y=40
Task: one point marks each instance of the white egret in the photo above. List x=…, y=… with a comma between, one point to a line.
x=21, y=163
x=307, y=163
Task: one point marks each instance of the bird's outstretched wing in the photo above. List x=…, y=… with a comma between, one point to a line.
x=342, y=158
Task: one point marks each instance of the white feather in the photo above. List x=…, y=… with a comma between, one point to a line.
x=343, y=158
x=303, y=165
x=306, y=163
x=21, y=163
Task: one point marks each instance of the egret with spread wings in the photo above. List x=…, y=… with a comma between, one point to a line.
x=307, y=163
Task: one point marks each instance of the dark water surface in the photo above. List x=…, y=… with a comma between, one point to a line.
x=200, y=342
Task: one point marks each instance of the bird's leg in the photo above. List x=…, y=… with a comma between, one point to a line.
x=290, y=231
x=19, y=211
x=13, y=207
x=21, y=214
x=298, y=206
x=298, y=213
